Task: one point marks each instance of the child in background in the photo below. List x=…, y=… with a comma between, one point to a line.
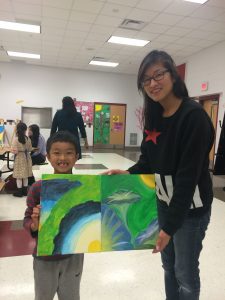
x=38, y=156
x=59, y=274
x=22, y=168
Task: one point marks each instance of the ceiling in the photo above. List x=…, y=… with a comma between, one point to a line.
x=75, y=31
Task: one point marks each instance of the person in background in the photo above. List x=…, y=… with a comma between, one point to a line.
x=22, y=168
x=38, y=155
x=178, y=135
x=59, y=274
x=68, y=119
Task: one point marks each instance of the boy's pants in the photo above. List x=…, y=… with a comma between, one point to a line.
x=58, y=276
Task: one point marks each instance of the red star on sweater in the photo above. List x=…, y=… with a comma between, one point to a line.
x=152, y=135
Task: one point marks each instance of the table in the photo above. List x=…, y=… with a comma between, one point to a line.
x=4, y=155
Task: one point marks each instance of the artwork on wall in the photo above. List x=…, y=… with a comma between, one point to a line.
x=93, y=213
x=102, y=124
x=86, y=110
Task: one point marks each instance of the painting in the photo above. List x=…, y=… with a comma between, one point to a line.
x=94, y=213
x=86, y=110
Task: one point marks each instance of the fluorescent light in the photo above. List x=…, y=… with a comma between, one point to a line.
x=20, y=26
x=127, y=41
x=197, y=1
x=103, y=63
x=21, y=54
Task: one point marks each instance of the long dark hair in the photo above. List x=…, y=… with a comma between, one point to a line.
x=68, y=106
x=21, y=132
x=152, y=110
x=35, y=134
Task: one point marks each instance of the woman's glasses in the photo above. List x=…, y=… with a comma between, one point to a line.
x=157, y=77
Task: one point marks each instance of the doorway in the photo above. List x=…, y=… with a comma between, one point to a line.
x=210, y=104
x=109, y=125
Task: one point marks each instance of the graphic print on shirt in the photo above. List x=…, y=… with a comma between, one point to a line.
x=152, y=135
x=164, y=190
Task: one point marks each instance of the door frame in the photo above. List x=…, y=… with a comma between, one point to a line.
x=215, y=97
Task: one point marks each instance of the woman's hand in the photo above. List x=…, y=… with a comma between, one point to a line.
x=161, y=242
x=114, y=172
x=35, y=218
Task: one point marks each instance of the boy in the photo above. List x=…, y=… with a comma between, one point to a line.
x=59, y=274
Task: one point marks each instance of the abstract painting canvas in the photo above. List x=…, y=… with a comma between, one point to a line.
x=93, y=213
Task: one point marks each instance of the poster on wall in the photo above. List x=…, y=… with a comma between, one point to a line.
x=102, y=124
x=86, y=109
x=97, y=213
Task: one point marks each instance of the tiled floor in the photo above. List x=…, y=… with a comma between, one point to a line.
x=134, y=275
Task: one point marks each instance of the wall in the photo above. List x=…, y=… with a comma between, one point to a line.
x=46, y=86
x=208, y=65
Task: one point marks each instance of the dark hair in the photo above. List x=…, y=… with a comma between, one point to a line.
x=63, y=137
x=69, y=106
x=35, y=134
x=153, y=110
x=21, y=132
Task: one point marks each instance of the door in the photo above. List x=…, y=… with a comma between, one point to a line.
x=109, y=125
x=117, y=125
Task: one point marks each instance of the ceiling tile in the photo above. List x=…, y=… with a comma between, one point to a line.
x=35, y=10
x=53, y=12
x=191, y=22
x=6, y=5
x=142, y=15
x=217, y=3
x=107, y=20
x=156, y=28
x=206, y=12
x=178, y=31
x=115, y=10
x=77, y=16
x=213, y=26
x=90, y=6
x=131, y=3
x=167, y=19
x=66, y=4
x=156, y=5
x=51, y=22
x=181, y=8
x=86, y=27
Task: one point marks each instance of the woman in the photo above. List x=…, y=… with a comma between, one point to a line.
x=178, y=136
x=22, y=168
x=38, y=155
x=68, y=119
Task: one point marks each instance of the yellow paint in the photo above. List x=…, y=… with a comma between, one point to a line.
x=18, y=101
x=116, y=118
x=98, y=107
x=86, y=240
x=149, y=180
x=94, y=246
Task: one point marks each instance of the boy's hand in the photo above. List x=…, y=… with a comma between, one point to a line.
x=35, y=218
x=161, y=242
x=115, y=171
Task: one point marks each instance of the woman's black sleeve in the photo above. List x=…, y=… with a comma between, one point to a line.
x=81, y=126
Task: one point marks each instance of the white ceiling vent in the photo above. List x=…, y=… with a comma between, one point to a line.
x=132, y=24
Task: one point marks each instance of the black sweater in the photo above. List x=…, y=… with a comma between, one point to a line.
x=177, y=152
x=62, y=121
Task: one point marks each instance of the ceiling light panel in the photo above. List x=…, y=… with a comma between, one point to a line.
x=24, y=55
x=20, y=27
x=103, y=63
x=127, y=41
